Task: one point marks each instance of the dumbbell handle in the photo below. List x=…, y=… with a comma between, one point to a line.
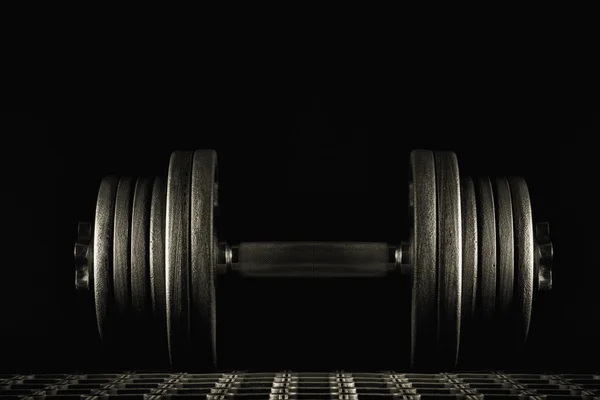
x=310, y=259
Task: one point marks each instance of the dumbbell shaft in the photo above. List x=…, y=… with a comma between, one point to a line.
x=310, y=259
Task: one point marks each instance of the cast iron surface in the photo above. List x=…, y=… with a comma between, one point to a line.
x=103, y=233
x=140, y=254
x=177, y=250
x=423, y=239
x=469, y=250
x=203, y=258
x=122, y=257
x=157, y=261
x=524, y=255
x=487, y=251
x=449, y=245
x=506, y=252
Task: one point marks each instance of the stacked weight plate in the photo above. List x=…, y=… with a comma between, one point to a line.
x=471, y=257
x=154, y=256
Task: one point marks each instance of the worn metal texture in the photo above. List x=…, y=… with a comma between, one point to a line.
x=487, y=251
x=122, y=262
x=449, y=257
x=178, y=255
x=157, y=259
x=103, y=257
x=203, y=313
x=524, y=255
x=423, y=242
x=469, y=250
x=506, y=250
x=141, y=305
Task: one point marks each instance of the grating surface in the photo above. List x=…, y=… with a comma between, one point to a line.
x=290, y=385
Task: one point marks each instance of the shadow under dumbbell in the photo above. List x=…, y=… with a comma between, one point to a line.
x=307, y=324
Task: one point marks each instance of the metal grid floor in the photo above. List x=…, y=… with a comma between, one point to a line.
x=289, y=385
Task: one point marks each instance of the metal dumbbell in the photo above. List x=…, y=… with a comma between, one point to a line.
x=471, y=252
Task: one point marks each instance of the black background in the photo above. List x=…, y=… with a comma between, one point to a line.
x=296, y=162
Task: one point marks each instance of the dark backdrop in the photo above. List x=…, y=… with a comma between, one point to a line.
x=295, y=164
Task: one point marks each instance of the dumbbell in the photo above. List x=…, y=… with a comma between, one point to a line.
x=472, y=254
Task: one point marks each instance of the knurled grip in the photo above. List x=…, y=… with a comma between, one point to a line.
x=313, y=259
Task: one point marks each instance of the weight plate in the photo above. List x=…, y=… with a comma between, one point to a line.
x=157, y=255
x=103, y=258
x=121, y=253
x=506, y=252
x=487, y=250
x=469, y=250
x=204, y=261
x=177, y=251
x=449, y=256
x=524, y=246
x=423, y=257
x=140, y=252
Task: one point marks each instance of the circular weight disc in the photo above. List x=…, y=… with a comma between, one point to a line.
x=487, y=250
x=177, y=252
x=103, y=258
x=449, y=256
x=524, y=257
x=140, y=252
x=157, y=255
x=423, y=254
x=203, y=265
x=469, y=250
x=506, y=251
x=122, y=253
